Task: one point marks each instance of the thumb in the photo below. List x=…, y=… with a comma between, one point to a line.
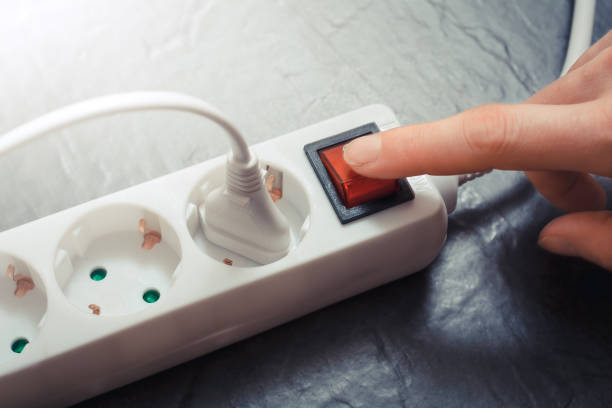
x=586, y=234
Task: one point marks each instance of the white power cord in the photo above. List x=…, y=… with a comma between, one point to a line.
x=581, y=32
x=126, y=102
x=239, y=216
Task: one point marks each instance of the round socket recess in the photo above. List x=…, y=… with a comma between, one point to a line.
x=112, y=256
x=23, y=304
x=286, y=190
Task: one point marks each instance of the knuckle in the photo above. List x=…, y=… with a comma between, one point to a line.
x=489, y=129
x=604, y=60
x=588, y=74
x=595, y=71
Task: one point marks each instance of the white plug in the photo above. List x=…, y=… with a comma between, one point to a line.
x=241, y=216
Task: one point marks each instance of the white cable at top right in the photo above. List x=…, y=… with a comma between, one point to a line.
x=581, y=32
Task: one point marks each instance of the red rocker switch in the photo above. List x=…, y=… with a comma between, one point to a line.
x=353, y=189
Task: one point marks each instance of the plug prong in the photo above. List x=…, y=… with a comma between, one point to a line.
x=95, y=309
x=274, y=183
x=150, y=237
x=24, y=284
x=10, y=271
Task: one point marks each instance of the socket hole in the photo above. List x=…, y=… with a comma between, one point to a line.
x=151, y=296
x=19, y=344
x=287, y=190
x=98, y=274
x=100, y=261
x=21, y=317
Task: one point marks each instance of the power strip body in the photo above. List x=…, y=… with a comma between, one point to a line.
x=205, y=304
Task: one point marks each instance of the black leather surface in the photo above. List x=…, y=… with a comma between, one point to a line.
x=494, y=321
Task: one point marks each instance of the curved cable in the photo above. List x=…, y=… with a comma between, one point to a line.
x=581, y=32
x=125, y=102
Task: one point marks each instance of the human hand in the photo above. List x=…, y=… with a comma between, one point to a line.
x=559, y=136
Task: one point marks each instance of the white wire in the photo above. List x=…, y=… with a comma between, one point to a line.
x=125, y=102
x=581, y=32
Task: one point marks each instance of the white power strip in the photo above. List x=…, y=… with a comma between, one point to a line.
x=90, y=257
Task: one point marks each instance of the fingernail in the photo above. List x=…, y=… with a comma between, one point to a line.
x=558, y=245
x=362, y=151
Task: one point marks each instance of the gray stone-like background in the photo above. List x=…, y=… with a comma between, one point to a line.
x=494, y=321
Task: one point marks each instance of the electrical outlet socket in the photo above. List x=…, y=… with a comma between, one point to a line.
x=207, y=297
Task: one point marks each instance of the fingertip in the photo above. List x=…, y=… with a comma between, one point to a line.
x=362, y=151
x=585, y=234
x=557, y=244
x=553, y=238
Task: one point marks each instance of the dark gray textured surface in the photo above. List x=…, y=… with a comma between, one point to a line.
x=494, y=321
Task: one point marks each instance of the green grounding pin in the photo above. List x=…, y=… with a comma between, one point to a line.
x=98, y=274
x=151, y=296
x=19, y=344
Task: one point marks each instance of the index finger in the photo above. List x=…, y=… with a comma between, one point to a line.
x=507, y=137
